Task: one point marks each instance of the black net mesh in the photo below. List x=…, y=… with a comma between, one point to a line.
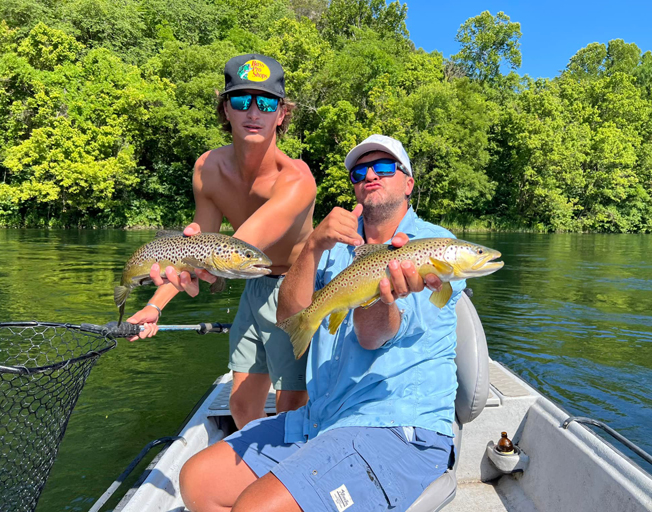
x=43, y=368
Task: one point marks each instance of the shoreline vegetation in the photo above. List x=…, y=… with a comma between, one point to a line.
x=105, y=106
x=475, y=227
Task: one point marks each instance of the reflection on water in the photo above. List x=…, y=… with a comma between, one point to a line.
x=136, y=392
x=569, y=313
x=572, y=314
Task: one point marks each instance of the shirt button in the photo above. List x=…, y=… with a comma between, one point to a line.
x=315, y=425
x=328, y=394
x=337, y=358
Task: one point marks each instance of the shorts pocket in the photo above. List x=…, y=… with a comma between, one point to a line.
x=347, y=481
x=379, y=465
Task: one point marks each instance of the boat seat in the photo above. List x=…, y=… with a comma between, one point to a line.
x=472, y=360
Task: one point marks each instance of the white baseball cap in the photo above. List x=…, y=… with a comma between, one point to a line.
x=378, y=142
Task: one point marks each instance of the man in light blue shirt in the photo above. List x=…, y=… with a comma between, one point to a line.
x=377, y=429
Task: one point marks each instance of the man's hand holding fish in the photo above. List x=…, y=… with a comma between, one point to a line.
x=405, y=277
x=183, y=282
x=377, y=324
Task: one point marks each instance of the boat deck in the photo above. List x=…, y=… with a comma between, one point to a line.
x=220, y=405
x=504, y=495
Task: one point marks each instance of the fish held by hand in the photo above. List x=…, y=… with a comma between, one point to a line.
x=221, y=255
x=359, y=284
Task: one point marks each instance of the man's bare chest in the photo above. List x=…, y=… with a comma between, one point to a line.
x=239, y=203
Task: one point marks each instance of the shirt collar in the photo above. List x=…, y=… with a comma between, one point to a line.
x=408, y=224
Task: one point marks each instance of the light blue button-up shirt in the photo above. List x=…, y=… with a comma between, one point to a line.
x=410, y=381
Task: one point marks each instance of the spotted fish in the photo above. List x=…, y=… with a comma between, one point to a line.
x=358, y=284
x=221, y=255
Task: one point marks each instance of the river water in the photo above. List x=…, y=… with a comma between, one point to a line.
x=570, y=313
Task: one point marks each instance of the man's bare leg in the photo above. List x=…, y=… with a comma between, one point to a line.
x=212, y=480
x=290, y=400
x=248, y=396
x=267, y=494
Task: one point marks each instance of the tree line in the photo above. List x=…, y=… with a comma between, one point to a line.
x=106, y=104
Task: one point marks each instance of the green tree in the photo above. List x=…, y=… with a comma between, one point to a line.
x=448, y=147
x=486, y=43
x=337, y=134
x=77, y=134
x=46, y=48
x=343, y=17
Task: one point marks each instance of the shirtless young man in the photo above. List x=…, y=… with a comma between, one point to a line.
x=269, y=200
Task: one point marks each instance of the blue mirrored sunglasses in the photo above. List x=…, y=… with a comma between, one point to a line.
x=383, y=167
x=244, y=101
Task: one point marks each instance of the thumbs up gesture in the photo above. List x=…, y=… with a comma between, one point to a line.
x=340, y=225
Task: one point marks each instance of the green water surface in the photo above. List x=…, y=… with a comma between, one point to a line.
x=569, y=313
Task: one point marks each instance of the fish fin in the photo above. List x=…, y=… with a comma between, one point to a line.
x=336, y=320
x=218, y=286
x=300, y=333
x=370, y=302
x=442, y=267
x=194, y=262
x=165, y=233
x=120, y=294
x=367, y=249
x=440, y=298
x=144, y=281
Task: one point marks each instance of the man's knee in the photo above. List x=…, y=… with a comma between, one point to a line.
x=191, y=484
x=212, y=479
x=243, y=410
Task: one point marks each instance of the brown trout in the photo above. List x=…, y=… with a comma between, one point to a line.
x=358, y=284
x=221, y=255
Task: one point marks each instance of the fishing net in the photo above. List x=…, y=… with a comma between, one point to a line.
x=43, y=367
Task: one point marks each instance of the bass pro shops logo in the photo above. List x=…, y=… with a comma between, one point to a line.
x=254, y=71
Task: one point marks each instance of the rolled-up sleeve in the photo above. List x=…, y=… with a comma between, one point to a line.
x=321, y=270
x=418, y=314
x=412, y=318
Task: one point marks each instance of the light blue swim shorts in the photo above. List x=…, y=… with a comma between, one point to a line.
x=257, y=345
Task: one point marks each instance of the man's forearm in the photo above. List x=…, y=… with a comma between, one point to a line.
x=164, y=294
x=376, y=325
x=298, y=286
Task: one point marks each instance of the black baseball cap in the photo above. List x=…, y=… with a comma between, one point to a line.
x=254, y=71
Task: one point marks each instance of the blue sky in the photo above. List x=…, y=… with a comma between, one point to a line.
x=552, y=30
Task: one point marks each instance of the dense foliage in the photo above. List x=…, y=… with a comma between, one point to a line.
x=106, y=104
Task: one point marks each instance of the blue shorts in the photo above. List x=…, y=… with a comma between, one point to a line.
x=348, y=468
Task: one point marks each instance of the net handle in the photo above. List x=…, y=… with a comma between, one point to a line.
x=127, y=330
x=111, y=331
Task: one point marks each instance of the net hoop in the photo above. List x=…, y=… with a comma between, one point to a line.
x=23, y=370
x=43, y=368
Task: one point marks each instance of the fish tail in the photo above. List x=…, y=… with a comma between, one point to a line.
x=120, y=294
x=300, y=331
